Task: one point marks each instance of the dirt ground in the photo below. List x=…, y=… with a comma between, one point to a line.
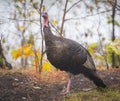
x=30, y=86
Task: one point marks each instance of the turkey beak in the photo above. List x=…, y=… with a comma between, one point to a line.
x=44, y=15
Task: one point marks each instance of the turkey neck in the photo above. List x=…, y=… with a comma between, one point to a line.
x=49, y=37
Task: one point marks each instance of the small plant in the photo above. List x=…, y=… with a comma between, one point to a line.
x=27, y=51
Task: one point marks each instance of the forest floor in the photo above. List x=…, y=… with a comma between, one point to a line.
x=23, y=85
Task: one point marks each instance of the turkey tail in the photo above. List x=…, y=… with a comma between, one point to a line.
x=94, y=77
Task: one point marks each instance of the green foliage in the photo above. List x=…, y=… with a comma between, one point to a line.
x=1, y=60
x=97, y=56
x=69, y=0
x=18, y=9
x=8, y=47
x=31, y=1
x=35, y=5
x=107, y=95
x=31, y=39
x=116, y=23
x=112, y=47
x=91, y=47
x=3, y=40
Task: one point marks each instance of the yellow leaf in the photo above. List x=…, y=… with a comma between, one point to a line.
x=27, y=50
x=39, y=55
x=20, y=0
x=38, y=11
x=22, y=28
x=36, y=59
x=93, y=45
x=32, y=13
x=59, y=35
x=55, y=22
x=100, y=68
x=46, y=66
x=22, y=51
x=16, y=54
x=91, y=50
x=43, y=8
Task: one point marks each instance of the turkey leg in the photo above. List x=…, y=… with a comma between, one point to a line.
x=67, y=90
x=68, y=86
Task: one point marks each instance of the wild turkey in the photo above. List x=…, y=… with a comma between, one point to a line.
x=70, y=56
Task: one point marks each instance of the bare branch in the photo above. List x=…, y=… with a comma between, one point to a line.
x=54, y=27
x=63, y=19
x=73, y=6
x=101, y=45
x=13, y=19
x=23, y=20
x=87, y=15
x=52, y=5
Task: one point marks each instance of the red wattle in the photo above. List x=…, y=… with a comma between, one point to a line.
x=46, y=23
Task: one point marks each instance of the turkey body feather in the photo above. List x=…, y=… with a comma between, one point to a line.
x=67, y=54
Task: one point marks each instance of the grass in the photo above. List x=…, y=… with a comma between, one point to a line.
x=95, y=95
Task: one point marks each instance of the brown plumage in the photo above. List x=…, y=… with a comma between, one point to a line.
x=70, y=56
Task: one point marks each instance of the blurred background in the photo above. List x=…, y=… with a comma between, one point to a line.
x=93, y=23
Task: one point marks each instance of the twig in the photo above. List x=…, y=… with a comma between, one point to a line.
x=88, y=15
x=101, y=43
x=73, y=6
x=54, y=27
x=63, y=19
x=40, y=69
x=52, y=5
x=13, y=19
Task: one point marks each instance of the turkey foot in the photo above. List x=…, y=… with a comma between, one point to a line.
x=64, y=91
x=67, y=90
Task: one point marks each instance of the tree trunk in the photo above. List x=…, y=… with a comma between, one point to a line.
x=113, y=32
x=3, y=61
x=23, y=42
